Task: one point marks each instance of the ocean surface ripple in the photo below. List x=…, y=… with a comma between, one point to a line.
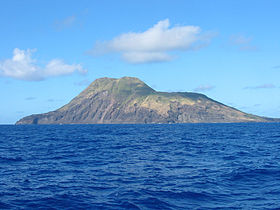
x=180, y=166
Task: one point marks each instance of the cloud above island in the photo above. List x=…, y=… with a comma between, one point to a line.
x=155, y=44
x=23, y=67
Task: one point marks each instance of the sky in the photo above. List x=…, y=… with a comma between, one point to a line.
x=51, y=50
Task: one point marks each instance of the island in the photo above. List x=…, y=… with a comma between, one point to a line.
x=129, y=100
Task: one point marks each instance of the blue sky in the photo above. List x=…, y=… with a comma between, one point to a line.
x=51, y=50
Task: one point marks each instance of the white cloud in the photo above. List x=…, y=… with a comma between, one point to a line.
x=22, y=66
x=57, y=67
x=154, y=44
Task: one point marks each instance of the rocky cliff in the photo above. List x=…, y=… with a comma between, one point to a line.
x=129, y=100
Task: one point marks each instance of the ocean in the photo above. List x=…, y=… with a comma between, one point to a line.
x=176, y=166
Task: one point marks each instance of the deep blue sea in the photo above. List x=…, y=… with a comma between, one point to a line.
x=179, y=166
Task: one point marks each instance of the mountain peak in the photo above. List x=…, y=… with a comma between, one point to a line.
x=109, y=79
x=121, y=86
